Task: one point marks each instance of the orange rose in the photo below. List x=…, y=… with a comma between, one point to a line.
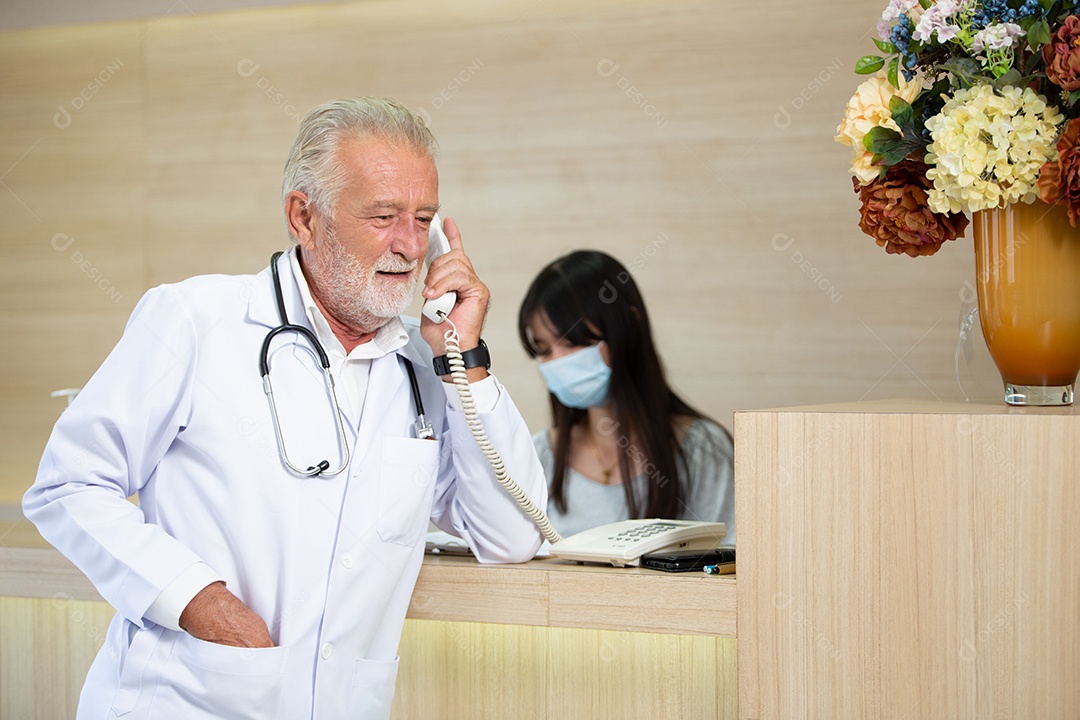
x=1062, y=56
x=1059, y=182
x=894, y=212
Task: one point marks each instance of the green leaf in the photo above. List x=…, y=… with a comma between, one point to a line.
x=1038, y=34
x=895, y=154
x=1017, y=80
x=880, y=139
x=890, y=147
x=1074, y=96
x=902, y=113
x=1010, y=78
x=883, y=141
x=1033, y=63
x=926, y=4
x=941, y=87
x=935, y=92
x=965, y=69
x=886, y=47
x=894, y=65
x=869, y=64
x=1046, y=4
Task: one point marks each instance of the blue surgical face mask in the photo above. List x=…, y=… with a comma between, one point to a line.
x=580, y=379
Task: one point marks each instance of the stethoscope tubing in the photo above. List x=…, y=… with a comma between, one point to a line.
x=423, y=428
x=323, y=466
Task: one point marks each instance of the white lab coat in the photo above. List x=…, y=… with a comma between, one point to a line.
x=177, y=414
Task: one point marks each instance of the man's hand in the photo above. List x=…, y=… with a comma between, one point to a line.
x=216, y=615
x=453, y=271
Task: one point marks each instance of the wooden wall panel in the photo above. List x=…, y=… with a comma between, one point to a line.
x=691, y=139
x=71, y=158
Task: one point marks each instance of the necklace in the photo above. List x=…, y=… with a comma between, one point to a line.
x=605, y=472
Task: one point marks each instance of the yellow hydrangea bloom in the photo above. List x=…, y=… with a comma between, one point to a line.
x=988, y=147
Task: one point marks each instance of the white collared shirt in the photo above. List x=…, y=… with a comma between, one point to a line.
x=350, y=371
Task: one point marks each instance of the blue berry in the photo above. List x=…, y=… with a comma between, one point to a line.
x=900, y=36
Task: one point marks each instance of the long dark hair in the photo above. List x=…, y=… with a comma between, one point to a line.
x=585, y=297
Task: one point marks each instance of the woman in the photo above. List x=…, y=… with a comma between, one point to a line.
x=614, y=416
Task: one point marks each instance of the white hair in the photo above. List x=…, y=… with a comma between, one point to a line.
x=313, y=168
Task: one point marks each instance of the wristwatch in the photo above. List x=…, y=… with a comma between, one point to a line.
x=477, y=357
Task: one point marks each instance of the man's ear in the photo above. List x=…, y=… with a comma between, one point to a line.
x=300, y=219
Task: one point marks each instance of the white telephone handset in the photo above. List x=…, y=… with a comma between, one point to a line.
x=437, y=309
x=621, y=543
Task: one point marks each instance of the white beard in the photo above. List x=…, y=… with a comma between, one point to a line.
x=354, y=293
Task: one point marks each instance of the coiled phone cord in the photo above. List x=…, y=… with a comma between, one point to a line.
x=457, y=372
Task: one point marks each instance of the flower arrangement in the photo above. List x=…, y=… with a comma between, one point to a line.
x=971, y=105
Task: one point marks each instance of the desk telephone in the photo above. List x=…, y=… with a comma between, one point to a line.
x=621, y=543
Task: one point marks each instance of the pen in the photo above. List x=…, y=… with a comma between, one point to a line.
x=720, y=569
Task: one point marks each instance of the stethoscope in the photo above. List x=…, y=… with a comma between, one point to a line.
x=424, y=429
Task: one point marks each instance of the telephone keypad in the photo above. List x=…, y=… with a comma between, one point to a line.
x=640, y=533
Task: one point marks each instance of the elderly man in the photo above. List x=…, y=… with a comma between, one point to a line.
x=267, y=566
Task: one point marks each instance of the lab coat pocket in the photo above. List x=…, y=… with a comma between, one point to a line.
x=210, y=680
x=372, y=690
x=135, y=664
x=406, y=488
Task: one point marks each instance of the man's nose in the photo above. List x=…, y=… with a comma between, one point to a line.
x=410, y=238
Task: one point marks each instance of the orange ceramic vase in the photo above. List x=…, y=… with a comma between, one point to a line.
x=1027, y=265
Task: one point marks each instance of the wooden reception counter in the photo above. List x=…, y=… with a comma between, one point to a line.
x=546, y=639
x=909, y=560
x=901, y=559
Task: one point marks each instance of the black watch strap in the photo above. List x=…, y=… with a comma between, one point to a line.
x=477, y=357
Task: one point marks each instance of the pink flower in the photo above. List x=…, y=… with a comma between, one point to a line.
x=894, y=10
x=935, y=19
x=996, y=37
